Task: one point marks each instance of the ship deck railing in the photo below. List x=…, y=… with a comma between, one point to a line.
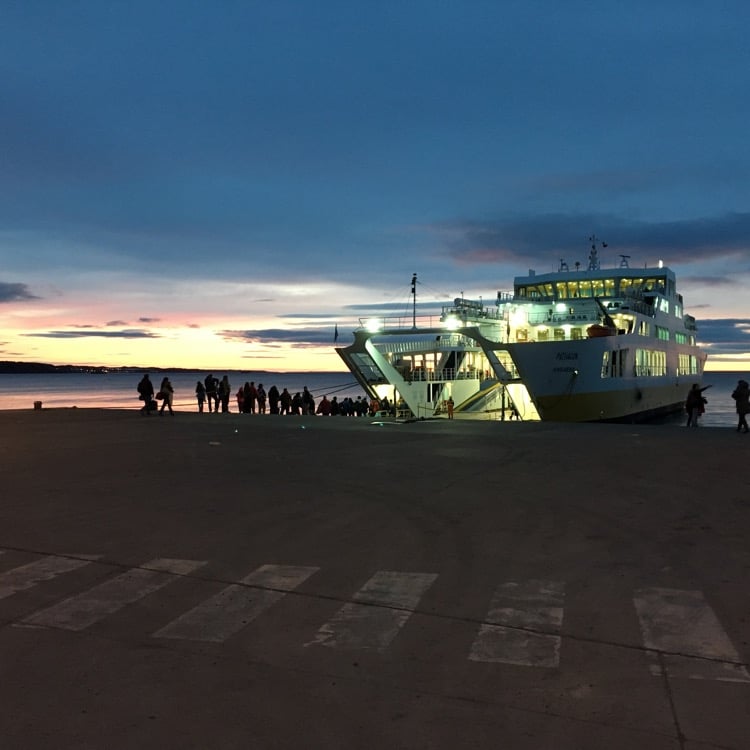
x=445, y=341
x=405, y=323
x=562, y=318
x=446, y=374
x=411, y=324
x=650, y=371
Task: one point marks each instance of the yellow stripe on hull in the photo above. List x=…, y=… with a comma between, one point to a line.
x=630, y=403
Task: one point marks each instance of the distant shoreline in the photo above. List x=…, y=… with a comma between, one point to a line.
x=31, y=368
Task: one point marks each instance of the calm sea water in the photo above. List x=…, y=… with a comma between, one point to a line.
x=116, y=390
x=720, y=411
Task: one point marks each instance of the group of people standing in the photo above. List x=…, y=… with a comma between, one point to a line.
x=695, y=404
x=215, y=395
x=251, y=398
x=215, y=392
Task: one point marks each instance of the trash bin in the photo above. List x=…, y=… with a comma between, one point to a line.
x=37, y=405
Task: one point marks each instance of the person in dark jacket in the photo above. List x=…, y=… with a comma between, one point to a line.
x=285, y=399
x=225, y=393
x=200, y=394
x=166, y=393
x=273, y=399
x=212, y=394
x=694, y=405
x=146, y=394
x=741, y=396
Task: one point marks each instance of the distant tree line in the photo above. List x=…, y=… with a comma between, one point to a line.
x=24, y=368
x=41, y=367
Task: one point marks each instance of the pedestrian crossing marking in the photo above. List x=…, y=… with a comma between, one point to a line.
x=234, y=607
x=379, y=610
x=682, y=624
x=44, y=569
x=78, y=612
x=523, y=625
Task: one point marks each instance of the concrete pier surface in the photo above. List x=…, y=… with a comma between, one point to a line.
x=237, y=581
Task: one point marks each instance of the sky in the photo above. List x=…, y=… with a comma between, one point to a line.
x=223, y=184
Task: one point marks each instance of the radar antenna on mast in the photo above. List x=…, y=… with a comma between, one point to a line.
x=594, y=264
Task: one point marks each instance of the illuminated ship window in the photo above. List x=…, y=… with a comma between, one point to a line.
x=687, y=364
x=368, y=368
x=613, y=363
x=650, y=363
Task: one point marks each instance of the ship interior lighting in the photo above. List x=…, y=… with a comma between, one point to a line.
x=452, y=323
x=373, y=325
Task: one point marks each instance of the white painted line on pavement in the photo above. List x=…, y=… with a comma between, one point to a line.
x=78, y=612
x=44, y=569
x=370, y=621
x=673, y=620
x=516, y=612
x=232, y=608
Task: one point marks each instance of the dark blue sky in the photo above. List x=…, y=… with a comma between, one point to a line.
x=232, y=177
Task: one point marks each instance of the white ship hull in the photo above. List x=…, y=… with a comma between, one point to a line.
x=566, y=385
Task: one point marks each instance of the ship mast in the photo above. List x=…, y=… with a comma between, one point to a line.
x=414, y=304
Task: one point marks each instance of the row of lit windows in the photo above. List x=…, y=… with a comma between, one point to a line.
x=648, y=363
x=559, y=334
x=593, y=288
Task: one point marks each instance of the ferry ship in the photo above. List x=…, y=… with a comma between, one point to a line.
x=576, y=345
